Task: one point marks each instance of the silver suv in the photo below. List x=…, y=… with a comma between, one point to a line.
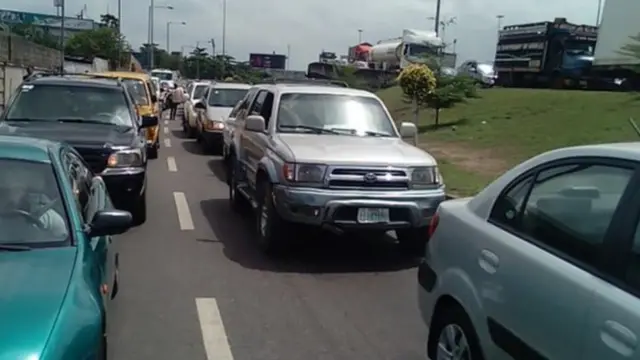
x=330, y=157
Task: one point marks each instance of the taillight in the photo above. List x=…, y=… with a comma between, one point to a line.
x=433, y=224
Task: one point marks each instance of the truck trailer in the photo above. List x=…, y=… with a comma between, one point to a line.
x=555, y=54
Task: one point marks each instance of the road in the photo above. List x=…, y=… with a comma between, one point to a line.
x=193, y=286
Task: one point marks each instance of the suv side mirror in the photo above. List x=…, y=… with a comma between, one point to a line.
x=149, y=121
x=409, y=132
x=110, y=222
x=199, y=104
x=255, y=123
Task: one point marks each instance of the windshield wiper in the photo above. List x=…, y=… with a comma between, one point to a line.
x=7, y=247
x=367, y=132
x=27, y=120
x=314, y=129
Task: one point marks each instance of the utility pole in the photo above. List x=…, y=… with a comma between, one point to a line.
x=437, y=17
x=119, y=62
x=151, y=47
x=224, y=27
x=288, y=67
x=62, y=8
x=359, y=36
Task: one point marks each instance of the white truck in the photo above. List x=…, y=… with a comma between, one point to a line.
x=611, y=65
x=414, y=46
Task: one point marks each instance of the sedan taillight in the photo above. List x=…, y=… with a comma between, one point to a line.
x=433, y=224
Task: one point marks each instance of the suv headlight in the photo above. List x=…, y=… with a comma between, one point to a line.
x=210, y=124
x=126, y=158
x=304, y=173
x=425, y=177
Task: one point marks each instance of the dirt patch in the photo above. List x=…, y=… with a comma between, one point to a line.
x=480, y=161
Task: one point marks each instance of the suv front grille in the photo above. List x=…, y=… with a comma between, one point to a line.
x=95, y=158
x=368, y=178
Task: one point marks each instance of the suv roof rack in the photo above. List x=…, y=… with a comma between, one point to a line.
x=58, y=73
x=309, y=81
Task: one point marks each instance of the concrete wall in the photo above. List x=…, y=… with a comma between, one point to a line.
x=19, y=51
x=10, y=79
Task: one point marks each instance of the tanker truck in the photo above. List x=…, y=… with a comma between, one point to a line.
x=414, y=46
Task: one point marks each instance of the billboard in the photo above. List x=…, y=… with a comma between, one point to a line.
x=268, y=61
x=49, y=21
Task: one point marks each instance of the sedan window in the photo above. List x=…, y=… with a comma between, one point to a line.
x=31, y=205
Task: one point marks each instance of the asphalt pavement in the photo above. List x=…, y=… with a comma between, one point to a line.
x=193, y=285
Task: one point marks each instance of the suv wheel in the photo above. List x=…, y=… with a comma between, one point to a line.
x=272, y=229
x=454, y=336
x=237, y=201
x=139, y=209
x=412, y=241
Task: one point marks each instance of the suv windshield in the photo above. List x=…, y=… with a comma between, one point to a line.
x=31, y=207
x=106, y=105
x=220, y=97
x=162, y=75
x=199, y=91
x=137, y=90
x=329, y=113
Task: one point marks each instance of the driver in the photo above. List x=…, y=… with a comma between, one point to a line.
x=28, y=193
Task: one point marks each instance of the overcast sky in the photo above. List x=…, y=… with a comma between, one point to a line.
x=309, y=26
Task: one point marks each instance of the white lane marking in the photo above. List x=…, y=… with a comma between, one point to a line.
x=167, y=142
x=184, y=214
x=171, y=164
x=216, y=343
x=166, y=130
x=166, y=122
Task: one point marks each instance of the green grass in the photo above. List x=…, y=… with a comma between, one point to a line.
x=514, y=124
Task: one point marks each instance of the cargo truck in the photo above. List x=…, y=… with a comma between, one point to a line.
x=555, y=54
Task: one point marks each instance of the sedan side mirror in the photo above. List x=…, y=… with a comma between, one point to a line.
x=255, y=123
x=200, y=105
x=149, y=121
x=409, y=132
x=110, y=222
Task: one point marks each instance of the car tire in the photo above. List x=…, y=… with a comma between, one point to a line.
x=412, y=241
x=139, y=209
x=102, y=344
x=454, y=320
x=237, y=201
x=271, y=228
x=152, y=152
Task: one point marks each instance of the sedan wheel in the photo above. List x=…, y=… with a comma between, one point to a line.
x=453, y=344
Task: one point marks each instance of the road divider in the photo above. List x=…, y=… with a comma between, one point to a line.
x=184, y=214
x=214, y=336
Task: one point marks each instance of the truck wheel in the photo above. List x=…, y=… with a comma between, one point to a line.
x=412, y=241
x=272, y=229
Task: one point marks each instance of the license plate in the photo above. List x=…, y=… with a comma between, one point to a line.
x=373, y=215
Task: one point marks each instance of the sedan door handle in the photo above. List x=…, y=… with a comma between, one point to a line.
x=488, y=261
x=619, y=338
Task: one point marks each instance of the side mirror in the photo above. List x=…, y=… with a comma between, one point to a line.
x=149, y=121
x=255, y=123
x=110, y=222
x=200, y=105
x=409, y=132
x=154, y=98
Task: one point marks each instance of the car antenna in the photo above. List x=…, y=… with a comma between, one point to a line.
x=635, y=126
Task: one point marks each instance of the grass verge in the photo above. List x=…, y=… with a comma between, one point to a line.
x=478, y=140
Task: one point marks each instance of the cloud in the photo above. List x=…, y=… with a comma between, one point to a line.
x=308, y=27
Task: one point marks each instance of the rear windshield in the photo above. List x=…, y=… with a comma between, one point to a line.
x=198, y=92
x=137, y=90
x=55, y=103
x=226, y=97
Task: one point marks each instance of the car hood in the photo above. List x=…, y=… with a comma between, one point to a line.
x=78, y=134
x=34, y=284
x=218, y=113
x=341, y=149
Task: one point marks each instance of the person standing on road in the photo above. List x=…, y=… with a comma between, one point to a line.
x=177, y=98
x=29, y=73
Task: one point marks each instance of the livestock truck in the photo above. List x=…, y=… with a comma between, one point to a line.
x=554, y=54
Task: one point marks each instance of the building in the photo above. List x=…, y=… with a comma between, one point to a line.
x=47, y=22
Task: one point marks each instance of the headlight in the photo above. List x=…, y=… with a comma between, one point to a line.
x=213, y=125
x=304, y=173
x=126, y=158
x=425, y=177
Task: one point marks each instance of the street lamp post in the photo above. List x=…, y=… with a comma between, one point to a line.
x=360, y=36
x=62, y=6
x=169, y=23
x=499, y=19
x=152, y=7
x=224, y=27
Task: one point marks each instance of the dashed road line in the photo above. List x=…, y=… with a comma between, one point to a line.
x=167, y=142
x=166, y=130
x=166, y=122
x=214, y=336
x=184, y=214
x=171, y=164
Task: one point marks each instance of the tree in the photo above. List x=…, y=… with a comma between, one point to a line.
x=37, y=35
x=103, y=42
x=417, y=82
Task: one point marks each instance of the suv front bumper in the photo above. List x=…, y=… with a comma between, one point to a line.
x=311, y=206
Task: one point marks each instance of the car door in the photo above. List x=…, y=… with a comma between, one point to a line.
x=540, y=263
x=614, y=318
x=250, y=139
x=91, y=196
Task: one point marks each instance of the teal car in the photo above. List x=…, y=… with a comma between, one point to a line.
x=58, y=269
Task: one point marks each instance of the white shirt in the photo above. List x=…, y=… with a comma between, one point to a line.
x=178, y=95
